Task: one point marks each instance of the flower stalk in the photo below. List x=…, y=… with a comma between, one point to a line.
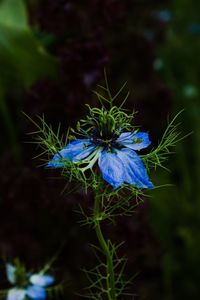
x=110, y=276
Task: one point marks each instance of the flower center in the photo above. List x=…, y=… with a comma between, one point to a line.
x=106, y=142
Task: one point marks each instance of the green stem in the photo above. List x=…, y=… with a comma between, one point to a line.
x=106, y=250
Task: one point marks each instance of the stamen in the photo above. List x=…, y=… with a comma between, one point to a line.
x=90, y=160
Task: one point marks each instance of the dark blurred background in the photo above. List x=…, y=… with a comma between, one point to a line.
x=52, y=55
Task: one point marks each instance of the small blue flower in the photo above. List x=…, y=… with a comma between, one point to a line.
x=117, y=159
x=32, y=285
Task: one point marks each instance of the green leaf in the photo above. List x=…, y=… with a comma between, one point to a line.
x=23, y=58
x=13, y=13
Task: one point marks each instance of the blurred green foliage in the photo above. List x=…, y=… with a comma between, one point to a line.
x=175, y=213
x=23, y=59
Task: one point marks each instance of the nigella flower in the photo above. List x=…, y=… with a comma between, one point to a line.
x=26, y=285
x=117, y=159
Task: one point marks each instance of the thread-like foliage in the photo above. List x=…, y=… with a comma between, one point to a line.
x=157, y=156
x=98, y=276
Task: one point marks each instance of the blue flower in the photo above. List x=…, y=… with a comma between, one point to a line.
x=117, y=159
x=31, y=285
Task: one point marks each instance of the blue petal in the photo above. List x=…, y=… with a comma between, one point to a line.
x=36, y=292
x=16, y=294
x=41, y=280
x=134, y=171
x=135, y=141
x=58, y=160
x=10, y=273
x=111, y=167
x=123, y=166
x=74, y=151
